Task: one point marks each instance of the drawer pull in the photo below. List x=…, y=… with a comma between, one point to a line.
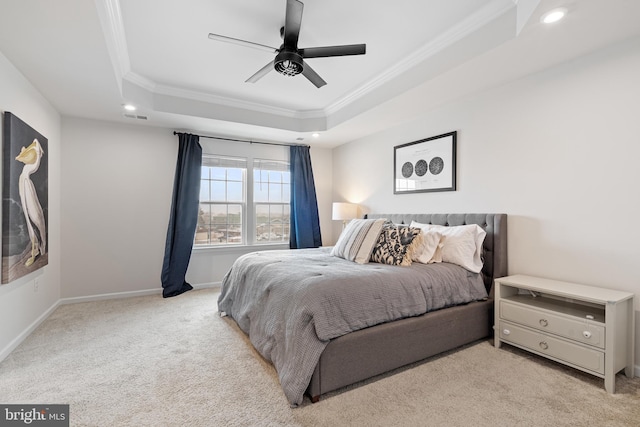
x=505, y=331
x=544, y=345
x=586, y=334
x=543, y=322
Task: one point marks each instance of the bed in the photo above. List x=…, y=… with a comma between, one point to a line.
x=306, y=312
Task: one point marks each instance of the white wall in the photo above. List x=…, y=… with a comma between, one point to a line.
x=21, y=306
x=557, y=151
x=117, y=182
x=117, y=187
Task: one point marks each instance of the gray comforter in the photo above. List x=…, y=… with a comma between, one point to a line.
x=292, y=302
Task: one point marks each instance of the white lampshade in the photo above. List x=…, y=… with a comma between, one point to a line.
x=344, y=211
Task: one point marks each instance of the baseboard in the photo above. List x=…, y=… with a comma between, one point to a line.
x=116, y=295
x=131, y=294
x=212, y=285
x=23, y=336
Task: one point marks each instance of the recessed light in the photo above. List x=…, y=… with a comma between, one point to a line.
x=554, y=15
x=315, y=135
x=130, y=107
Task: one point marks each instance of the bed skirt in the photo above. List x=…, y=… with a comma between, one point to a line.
x=372, y=351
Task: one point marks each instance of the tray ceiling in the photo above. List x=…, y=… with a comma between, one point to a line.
x=90, y=57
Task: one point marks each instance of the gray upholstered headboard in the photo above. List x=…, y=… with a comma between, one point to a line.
x=495, y=243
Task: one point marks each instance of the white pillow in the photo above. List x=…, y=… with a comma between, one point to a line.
x=462, y=244
x=429, y=249
x=357, y=240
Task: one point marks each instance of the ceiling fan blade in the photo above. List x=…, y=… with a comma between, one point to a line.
x=344, y=50
x=313, y=77
x=292, y=21
x=260, y=73
x=226, y=39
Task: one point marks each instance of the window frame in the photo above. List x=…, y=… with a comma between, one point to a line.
x=283, y=168
x=243, y=202
x=249, y=220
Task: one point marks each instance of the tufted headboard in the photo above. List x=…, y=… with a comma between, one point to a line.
x=495, y=243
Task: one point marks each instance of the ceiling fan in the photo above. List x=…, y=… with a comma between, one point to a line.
x=290, y=60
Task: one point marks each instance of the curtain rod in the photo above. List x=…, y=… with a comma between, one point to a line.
x=244, y=140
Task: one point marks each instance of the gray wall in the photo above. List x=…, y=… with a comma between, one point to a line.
x=22, y=307
x=116, y=193
x=558, y=151
x=117, y=184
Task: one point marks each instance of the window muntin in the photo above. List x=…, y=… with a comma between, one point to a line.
x=222, y=201
x=229, y=202
x=271, y=196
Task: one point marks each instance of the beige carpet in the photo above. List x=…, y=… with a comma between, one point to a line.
x=150, y=361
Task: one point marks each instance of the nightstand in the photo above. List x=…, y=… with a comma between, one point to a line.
x=585, y=327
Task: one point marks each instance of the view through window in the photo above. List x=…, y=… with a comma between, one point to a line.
x=271, y=188
x=222, y=201
x=225, y=216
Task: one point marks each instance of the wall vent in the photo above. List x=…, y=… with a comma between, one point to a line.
x=135, y=116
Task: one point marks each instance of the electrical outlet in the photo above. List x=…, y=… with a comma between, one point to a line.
x=36, y=284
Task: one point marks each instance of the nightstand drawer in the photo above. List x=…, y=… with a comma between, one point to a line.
x=584, y=331
x=558, y=348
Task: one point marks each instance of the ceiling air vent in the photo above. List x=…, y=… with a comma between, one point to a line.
x=135, y=116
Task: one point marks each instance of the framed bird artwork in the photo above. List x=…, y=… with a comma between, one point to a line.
x=25, y=199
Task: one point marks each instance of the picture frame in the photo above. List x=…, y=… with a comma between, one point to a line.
x=25, y=199
x=427, y=165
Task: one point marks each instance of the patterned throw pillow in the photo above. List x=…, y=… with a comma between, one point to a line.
x=358, y=239
x=394, y=245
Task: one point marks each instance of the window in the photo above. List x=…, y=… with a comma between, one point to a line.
x=237, y=211
x=271, y=188
x=222, y=201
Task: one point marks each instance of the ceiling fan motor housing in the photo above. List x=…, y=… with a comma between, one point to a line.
x=289, y=60
x=288, y=63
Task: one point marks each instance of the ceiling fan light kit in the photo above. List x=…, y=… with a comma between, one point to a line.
x=288, y=63
x=289, y=60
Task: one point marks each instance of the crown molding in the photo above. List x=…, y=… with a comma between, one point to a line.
x=231, y=102
x=464, y=28
x=111, y=20
x=525, y=10
x=141, y=81
x=110, y=16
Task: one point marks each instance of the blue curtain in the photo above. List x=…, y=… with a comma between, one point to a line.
x=184, y=216
x=305, y=222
